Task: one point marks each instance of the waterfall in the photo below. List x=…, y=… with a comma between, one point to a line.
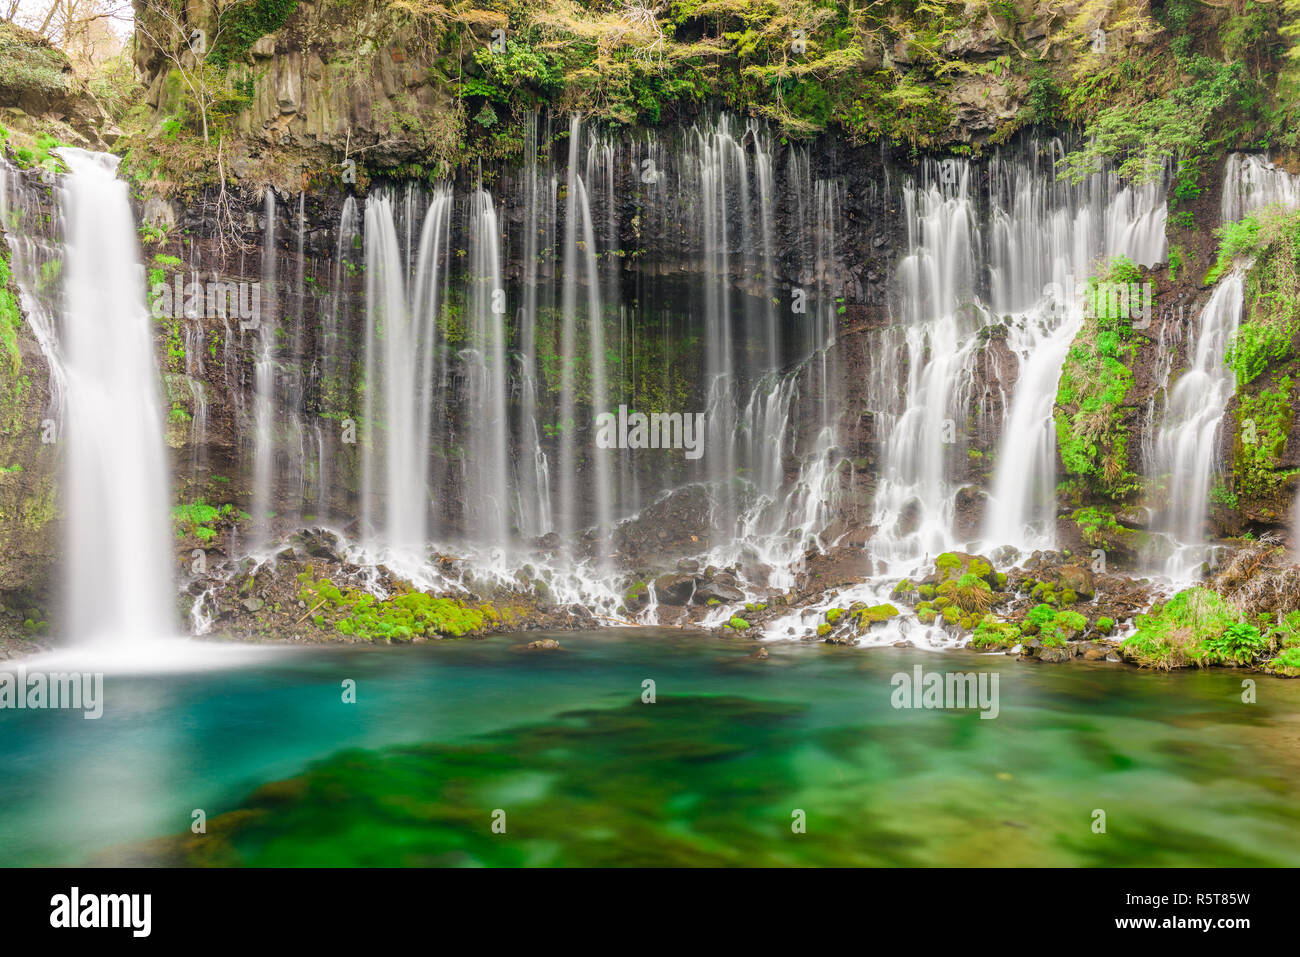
x=400, y=343
x=534, y=477
x=1047, y=237
x=1186, y=442
x=487, y=468
x=334, y=354
x=118, y=588
x=935, y=341
x=1251, y=182
x=579, y=264
x=1182, y=453
x=264, y=385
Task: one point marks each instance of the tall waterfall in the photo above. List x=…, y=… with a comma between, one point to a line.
x=1186, y=442
x=1011, y=262
x=263, y=329
x=1182, y=454
x=487, y=473
x=1048, y=236
x=935, y=339
x=400, y=343
x=119, y=575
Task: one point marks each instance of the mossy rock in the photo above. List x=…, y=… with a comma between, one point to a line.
x=951, y=566
x=991, y=634
x=874, y=615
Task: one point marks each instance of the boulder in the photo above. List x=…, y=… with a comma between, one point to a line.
x=674, y=589
x=719, y=590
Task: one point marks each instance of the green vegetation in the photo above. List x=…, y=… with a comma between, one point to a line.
x=1054, y=628
x=1198, y=627
x=1263, y=426
x=11, y=317
x=32, y=66
x=401, y=617
x=1092, y=398
x=1271, y=318
x=239, y=25
x=198, y=518
x=991, y=634
x=1211, y=84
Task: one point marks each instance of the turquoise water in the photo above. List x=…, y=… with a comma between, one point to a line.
x=714, y=772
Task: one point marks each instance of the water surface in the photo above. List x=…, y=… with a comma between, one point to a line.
x=443, y=735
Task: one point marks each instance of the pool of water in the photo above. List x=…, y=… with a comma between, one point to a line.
x=559, y=749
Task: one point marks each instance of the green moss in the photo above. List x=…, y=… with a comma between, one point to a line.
x=874, y=614
x=1105, y=625
x=990, y=633
x=833, y=614
x=737, y=623
x=1263, y=428
x=903, y=589
x=1096, y=378
x=11, y=317
x=1286, y=662
x=397, y=618
x=1053, y=627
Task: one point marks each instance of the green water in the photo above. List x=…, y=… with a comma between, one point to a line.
x=443, y=739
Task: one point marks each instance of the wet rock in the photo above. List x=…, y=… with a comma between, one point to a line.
x=759, y=655
x=718, y=590
x=253, y=604
x=1093, y=650
x=1035, y=649
x=319, y=543
x=675, y=589
x=544, y=644
x=1077, y=579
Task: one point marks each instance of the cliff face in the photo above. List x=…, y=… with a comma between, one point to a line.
x=333, y=104
x=294, y=88
x=28, y=435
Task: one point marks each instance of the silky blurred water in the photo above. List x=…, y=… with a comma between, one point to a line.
x=714, y=772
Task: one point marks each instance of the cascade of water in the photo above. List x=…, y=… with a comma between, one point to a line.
x=264, y=384
x=784, y=520
x=1251, y=182
x=119, y=578
x=1046, y=237
x=579, y=262
x=487, y=468
x=34, y=226
x=720, y=167
x=334, y=356
x=940, y=318
x=1185, y=443
x=534, y=478
x=400, y=342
